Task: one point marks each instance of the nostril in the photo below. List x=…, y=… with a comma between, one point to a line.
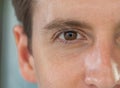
x=92, y=86
x=91, y=82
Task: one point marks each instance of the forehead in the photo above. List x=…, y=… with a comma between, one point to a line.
x=48, y=10
x=77, y=5
x=78, y=2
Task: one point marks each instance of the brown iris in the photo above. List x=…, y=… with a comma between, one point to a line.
x=70, y=35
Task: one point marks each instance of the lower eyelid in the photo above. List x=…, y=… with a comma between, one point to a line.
x=71, y=42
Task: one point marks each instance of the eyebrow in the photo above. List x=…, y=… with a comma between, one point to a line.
x=67, y=23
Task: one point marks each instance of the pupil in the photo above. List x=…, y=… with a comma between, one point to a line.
x=70, y=35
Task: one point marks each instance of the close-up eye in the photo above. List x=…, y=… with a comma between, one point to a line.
x=71, y=36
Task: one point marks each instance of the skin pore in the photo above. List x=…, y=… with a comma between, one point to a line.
x=75, y=44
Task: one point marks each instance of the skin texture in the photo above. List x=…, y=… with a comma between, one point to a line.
x=91, y=61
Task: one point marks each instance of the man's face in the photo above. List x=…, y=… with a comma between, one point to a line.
x=76, y=43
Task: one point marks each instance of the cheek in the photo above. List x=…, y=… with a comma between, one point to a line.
x=59, y=68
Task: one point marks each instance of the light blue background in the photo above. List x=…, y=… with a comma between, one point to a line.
x=11, y=77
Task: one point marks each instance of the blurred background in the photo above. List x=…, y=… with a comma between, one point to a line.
x=9, y=70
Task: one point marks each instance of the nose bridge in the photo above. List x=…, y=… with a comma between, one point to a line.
x=99, y=67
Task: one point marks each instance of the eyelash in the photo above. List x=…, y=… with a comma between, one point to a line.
x=58, y=33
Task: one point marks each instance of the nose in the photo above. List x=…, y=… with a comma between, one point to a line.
x=101, y=70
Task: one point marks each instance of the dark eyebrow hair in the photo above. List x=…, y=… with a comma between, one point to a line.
x=67, y=23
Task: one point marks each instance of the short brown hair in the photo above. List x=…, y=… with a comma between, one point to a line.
x=23, y=10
